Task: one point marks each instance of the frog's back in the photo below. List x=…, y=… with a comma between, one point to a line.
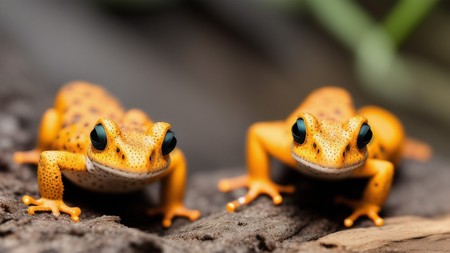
x=80, y=105
x=327, y=103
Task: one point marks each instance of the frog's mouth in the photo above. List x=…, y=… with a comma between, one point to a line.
x=312, y=168
x=96, y=168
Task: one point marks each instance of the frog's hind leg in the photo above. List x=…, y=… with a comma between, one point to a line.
x=416, y=150
x=50, y=182
x=390, y=137
x=48, y=130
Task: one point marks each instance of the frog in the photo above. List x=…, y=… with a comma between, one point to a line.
x=327, y=138
x=90, y=139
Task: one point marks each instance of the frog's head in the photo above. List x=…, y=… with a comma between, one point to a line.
x=130, y=153
x=330, y=148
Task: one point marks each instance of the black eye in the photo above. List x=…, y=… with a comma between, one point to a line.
x=98, y=137
x=169, y=143
x=299, y=131
x=364, y=136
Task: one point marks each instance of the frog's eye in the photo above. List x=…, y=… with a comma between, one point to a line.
x=364, y=136
x=169, y=143
x=299, y=131
x=98, y=137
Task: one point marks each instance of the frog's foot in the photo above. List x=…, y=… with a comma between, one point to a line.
x=171, y=212
x=361, y=208
x=226, y=185
x=55, y=206
x=31, y=156
x=417, y=150
x=256, y=188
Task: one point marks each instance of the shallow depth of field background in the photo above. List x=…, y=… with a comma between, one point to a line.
x=211, y=68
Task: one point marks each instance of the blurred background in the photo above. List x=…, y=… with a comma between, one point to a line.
x=213, y=67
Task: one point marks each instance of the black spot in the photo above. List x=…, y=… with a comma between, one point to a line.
x=56, y=177
x=314, y=145
x=150, y=158
x=347, y=148
x=78, y=145
x=318, y=151
x=117, y=150
x=376, y=184
x=343, y=154
x=76, y=117
x=93, y=110
x=123, y=156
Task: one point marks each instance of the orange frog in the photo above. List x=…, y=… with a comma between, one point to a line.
x=92, y=141
x=325, y=137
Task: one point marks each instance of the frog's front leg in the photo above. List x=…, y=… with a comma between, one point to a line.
x=263, y=140
x=51, y=187
x=172, y=192
x=377, y=190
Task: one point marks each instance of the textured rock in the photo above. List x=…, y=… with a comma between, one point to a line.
x=307, y=221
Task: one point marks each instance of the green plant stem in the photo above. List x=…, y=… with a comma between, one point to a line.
x=405, y=16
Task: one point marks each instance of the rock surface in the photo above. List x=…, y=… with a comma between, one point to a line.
x=306, y=221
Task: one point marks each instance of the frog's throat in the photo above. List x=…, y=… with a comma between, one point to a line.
x=330, y=170
x=95, y=167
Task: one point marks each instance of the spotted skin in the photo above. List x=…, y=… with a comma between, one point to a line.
x=329, y=151
x=131, y=159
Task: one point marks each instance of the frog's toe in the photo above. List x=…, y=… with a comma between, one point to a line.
x=31, y=156
x=171, y=212
x=226, y=185
x=179, y=211
x=55, y=206
x=254, y=192
x=73, y=211
x=361, y=208
x=190, y=214
x=286, y=188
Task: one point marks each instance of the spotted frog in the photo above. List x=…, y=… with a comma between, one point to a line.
x=89, y=138
x=326, y=137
